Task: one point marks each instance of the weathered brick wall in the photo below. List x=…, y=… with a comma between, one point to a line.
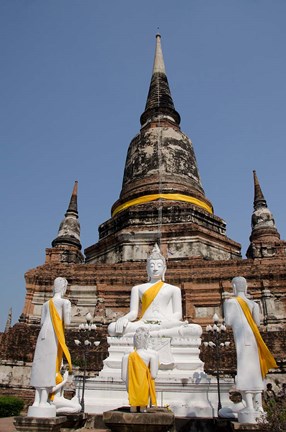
x=276, y=342
x=19, y=342
x=202, y=283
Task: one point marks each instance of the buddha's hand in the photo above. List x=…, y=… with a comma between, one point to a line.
x=121, y=324
x=67, y=377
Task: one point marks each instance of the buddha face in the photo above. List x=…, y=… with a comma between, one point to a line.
x=156, y=269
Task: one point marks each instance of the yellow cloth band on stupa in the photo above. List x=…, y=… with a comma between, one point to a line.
x=149, y=295
x=173, y=197
x=266, y=359
x=141, y=386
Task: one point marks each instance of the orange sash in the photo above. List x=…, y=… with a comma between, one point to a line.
x=58, y=326
x=141, y=386
x=149, y=295
x=266, y=359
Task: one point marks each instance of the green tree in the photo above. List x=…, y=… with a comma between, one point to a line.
x=275, y=420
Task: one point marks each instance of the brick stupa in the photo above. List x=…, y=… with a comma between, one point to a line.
x=162, y=200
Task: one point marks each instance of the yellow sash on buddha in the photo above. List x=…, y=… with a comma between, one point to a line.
x=141, y=386
x=59, y=330
x=149, y=295
x=266, y=359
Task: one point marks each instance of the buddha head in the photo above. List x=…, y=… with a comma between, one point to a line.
x=60, y=285
x=239, y=285
x=156, y=264
x=141, y=338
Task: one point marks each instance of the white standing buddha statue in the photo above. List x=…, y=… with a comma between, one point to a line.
x=161, y=305
x=253, y=357
x=50, y=348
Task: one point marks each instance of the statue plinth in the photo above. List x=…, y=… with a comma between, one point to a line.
x=42, y=411
x=56, y=424
x=178, y=357
x=246, y=427
x=181, y=382
x=35, y=424
x=154, y=420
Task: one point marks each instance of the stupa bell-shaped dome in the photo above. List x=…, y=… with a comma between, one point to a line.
x=161, y=162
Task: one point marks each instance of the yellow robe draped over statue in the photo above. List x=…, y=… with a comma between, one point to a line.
x=50, y=347
x=266, y=359
x=58, y=326
x=59, y=330
x=141, y=386
x=149, y=295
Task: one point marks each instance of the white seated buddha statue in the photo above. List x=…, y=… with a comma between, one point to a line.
x=161, y=306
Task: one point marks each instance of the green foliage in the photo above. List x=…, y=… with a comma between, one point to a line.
x=10, y=406
x=275, y=420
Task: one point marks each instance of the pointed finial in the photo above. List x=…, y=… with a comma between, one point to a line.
x=72, y=208
x=159, y=100
x=9, y=321
x=159, y=65
x=259, y=200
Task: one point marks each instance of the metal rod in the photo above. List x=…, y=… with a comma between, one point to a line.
x=83, y=382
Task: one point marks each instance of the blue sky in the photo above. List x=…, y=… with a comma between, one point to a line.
x=74, y=78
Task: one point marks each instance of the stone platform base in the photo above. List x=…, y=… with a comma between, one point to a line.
x=244, y=427
x=35, y=424
x=64, y=423
x=154, y=420
x=196, y=397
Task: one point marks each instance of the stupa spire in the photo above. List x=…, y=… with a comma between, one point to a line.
x=69, y=230
x=259, y=200
x=159, y=100
x=72, y=208
x=159, y=65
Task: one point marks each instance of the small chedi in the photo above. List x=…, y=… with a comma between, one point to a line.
x=50, y=348
x=139, y=370
x=253, y=357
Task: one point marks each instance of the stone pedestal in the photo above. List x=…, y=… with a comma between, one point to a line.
x=247, y=415
x=74, y=421
x=48, y=411
x=178, y=356
x=246, y=427
x=181, y=382
x=154, y=420
x=35, y=424
x=190, y=397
